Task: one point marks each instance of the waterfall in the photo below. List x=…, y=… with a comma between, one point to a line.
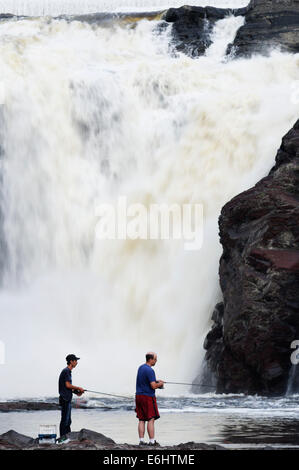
x=91, y=113
x=293, y=379
x=76, y=7
x=223, y=33
x=292, y=376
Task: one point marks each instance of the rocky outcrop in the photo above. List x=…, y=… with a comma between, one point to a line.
x=27, y=406
x=192, y=26
x=248, y=349
x=84, y=439
x=87, y=440
x=24, y=405
x=268, y=23
x=6, y=16
x=13, y=440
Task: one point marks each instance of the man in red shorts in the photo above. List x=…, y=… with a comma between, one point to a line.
x=146, y=404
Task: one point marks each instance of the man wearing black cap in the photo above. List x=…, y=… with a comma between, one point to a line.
x=66, y=390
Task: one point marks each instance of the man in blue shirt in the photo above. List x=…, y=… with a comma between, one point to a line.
x=146, y=404
x=66, y=390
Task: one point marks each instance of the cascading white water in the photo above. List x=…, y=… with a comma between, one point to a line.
x=223, y=33
x=59, y=7
x=91, y=113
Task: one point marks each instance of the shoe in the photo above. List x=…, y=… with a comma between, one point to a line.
x=154, y=444
x=143, y=443
x=63, y=440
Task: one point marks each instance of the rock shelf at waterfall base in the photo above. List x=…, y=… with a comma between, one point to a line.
x=88, y=440
x=23, y=405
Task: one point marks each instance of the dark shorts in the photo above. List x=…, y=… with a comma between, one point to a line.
x=146, y=408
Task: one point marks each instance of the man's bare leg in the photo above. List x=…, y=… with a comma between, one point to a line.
x=141, y=429
x=151, y=428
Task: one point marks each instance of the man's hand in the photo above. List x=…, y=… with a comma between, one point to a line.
x=78, y=391
x=74, y=388
x=157, y=384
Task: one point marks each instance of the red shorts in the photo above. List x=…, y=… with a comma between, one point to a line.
x=146, y=408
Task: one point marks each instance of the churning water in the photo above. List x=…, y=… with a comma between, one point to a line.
x=96, y=111
x=73, y=7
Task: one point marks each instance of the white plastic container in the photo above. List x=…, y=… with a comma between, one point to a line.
x=47, y=434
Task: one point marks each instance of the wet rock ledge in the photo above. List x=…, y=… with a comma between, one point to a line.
x=268, y=24
x=192, y=26
x=25, y=405
x=87, y=440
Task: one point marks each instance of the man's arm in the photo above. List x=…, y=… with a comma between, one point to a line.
x=74, y=387
x=157, y=384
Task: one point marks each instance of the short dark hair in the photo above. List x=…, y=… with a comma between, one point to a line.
x=148, y=357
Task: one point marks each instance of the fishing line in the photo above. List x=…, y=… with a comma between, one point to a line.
x=130, y=398
x=108, y=394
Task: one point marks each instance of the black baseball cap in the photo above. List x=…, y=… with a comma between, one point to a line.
x=72, y=357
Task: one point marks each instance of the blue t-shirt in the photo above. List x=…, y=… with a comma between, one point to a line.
x=145, y=376
x=65, y=376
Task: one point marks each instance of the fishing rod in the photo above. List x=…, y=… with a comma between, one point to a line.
x=108, y=394
x=129, y=398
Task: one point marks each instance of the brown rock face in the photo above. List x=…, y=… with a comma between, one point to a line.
x=248, y=349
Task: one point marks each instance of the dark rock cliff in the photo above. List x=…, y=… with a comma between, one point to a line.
x=192, y=26
x=248, y=348
x=268, y=24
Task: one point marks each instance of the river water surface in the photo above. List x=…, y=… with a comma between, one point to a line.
x=234, y=421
